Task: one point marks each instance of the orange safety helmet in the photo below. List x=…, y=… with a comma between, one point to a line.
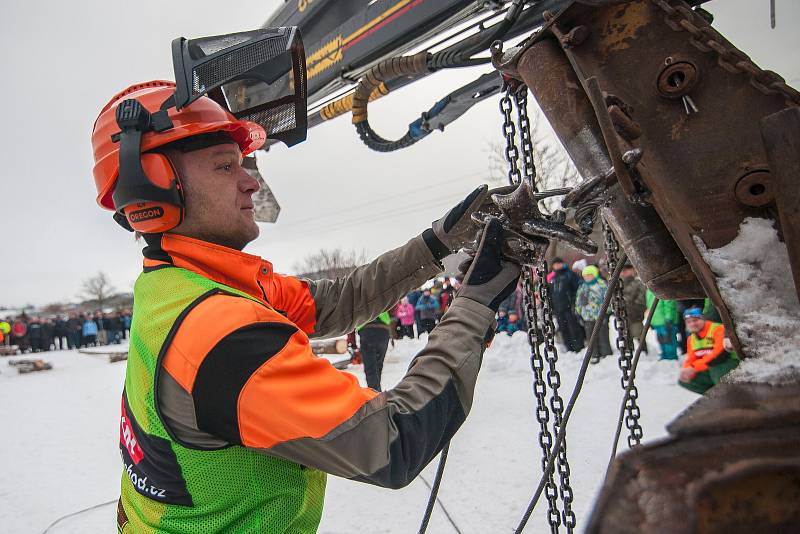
x=147, y=194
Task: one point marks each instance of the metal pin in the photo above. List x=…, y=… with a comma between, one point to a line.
x=689, y=105
x=772, y=14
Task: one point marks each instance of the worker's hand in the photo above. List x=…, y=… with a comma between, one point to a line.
x=687, y=374
x=490, y=277
x=455, y=229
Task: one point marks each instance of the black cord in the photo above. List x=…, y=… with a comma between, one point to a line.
x=434, y=496
x=635, y=363
x=73, y=514
x=378, y=143
x=559, y=437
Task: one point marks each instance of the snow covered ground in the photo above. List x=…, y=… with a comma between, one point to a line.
x=58, y=445
x=757, y=286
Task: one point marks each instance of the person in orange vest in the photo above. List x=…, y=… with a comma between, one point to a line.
x=709, y=356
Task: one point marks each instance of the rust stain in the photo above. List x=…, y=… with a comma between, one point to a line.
x=621, y=25
x=678, y=128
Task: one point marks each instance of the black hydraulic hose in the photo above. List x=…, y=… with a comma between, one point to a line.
x=378, y=143
x=508, y=21
x=456, y=58
x=381, y=73
x=635, y=362
x=559, y=437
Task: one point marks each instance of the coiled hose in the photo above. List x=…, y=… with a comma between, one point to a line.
x=385, y=71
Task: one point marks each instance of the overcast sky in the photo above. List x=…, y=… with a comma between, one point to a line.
x=62, y=61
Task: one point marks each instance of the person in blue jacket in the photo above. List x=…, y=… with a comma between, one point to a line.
x=89, y=332
x=428, y=306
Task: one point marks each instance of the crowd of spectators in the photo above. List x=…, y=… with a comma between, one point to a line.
x=37, y=333
x=422, y=308
x=577, y=292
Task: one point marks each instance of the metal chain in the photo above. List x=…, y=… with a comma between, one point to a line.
x=528, y=165
x=556, y=402
x=535, y=337
x=706, y=39
x=510, y=131
x=624, y=344
x=540, y=392
x=550, y=351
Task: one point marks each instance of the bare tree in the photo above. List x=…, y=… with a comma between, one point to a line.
x=98, y=289
x=55, y=308
x=554, y=168
x=330, y=263
x=498, y=165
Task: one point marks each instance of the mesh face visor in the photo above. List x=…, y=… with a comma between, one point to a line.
x=260, y=76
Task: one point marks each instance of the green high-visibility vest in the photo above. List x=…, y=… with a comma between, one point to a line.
x=170, y=487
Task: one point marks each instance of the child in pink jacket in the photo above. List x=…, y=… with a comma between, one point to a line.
x=405, y=313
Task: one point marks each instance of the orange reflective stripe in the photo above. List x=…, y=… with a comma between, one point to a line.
x=147, y=262
x=296, y=394
x=208, y=323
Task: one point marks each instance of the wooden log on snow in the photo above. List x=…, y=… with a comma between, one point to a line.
x=29, y=366
x=9, y=350
x=329, y=346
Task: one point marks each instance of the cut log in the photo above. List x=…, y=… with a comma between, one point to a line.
x=329, y=346
x=9, y=350
x=30, y=366
x=113, y=355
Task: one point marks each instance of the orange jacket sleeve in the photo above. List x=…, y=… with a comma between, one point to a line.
x=253, y=381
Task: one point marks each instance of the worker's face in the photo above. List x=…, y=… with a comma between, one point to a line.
x=694, y=324
x=557, y=266
x=218, y=193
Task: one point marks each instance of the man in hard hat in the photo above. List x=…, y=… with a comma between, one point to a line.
x=228, y=421
x=709, y=355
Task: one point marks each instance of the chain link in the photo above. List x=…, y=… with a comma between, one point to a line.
x=550, y=351
x=535, y=336
x=540, y=392
x=510, y=131
x=624, y=343
x=556, y=402
x=706, y=39
x=528, y=164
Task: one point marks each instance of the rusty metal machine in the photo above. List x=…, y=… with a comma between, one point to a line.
x=683, y=143
x=680, y=138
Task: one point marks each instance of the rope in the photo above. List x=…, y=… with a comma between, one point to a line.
x=559, y=437
x=73, y=514
x=635, y=362
x=434, y=496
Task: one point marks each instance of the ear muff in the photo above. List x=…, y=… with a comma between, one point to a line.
x=147, y=196
x=157, y=216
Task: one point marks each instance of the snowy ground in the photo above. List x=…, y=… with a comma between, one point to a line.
x=58, y=445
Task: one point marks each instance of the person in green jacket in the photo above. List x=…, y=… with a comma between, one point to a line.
x=374, y=340
x=665, y=320
x=588, y=303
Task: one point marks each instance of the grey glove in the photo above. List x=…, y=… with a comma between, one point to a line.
x=491, y=278
x=456, y=228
